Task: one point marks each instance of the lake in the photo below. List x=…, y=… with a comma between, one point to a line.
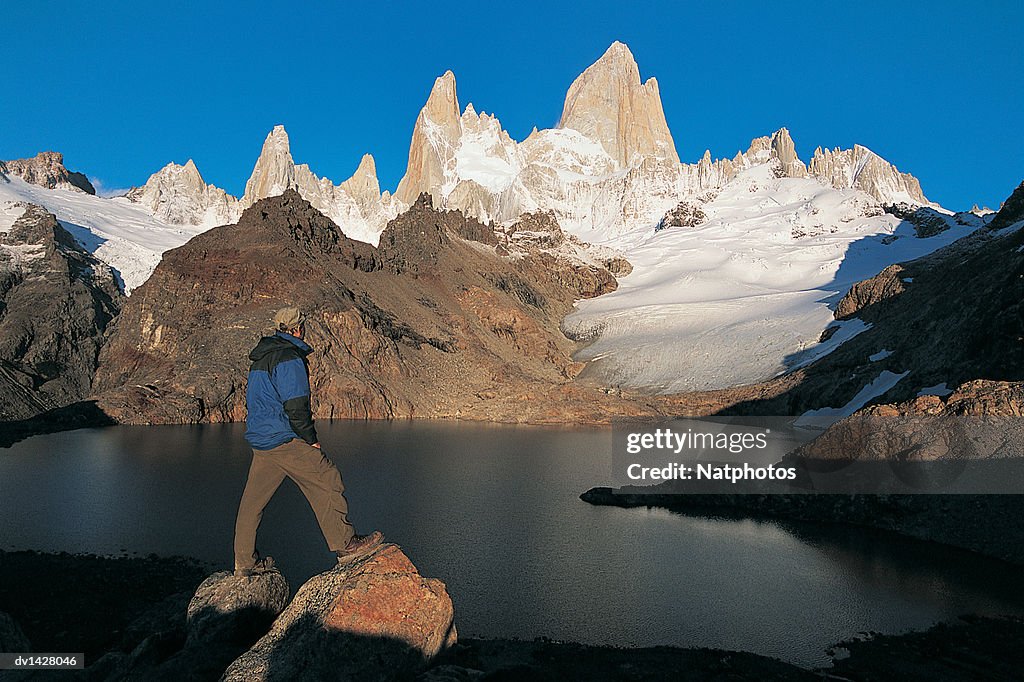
x=494, y=512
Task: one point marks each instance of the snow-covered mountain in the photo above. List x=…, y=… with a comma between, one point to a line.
x=178, y=195
x=733, y=289
x=610, y=167
x=744, y=294
x=124, y=235
x=46, y=169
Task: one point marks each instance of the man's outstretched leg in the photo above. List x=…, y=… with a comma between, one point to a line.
x=320, y=481
x=265, y=476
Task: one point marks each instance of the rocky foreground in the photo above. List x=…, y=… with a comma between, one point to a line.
x=378, y=619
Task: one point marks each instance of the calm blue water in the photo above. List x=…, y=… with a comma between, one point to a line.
x=494, y=512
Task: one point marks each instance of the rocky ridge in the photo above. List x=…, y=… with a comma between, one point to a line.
x=436, y=322
x=46, y=169
x=860, y=168
x=48, y=360
x=356, y=205
x=608, y=167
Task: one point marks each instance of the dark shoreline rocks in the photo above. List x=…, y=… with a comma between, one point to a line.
x=136, y=606
x=991, y=525
x=94, y=604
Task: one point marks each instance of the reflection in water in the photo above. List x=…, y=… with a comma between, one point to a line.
x=494, y=512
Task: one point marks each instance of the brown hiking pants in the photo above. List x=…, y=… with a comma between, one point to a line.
x=317, y=478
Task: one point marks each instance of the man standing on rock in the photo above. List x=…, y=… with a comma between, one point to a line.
x=284, y=443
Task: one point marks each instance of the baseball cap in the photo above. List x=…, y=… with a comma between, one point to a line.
x=288, y=318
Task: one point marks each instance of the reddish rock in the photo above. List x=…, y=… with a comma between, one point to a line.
x=375, y=618
x=385, y=596
x=886, y=284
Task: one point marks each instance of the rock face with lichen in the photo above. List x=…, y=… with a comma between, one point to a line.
x=374, y=619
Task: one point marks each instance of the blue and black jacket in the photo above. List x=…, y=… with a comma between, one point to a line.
x=277, y=397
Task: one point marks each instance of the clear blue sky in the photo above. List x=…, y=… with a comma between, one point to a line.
x=123, y=88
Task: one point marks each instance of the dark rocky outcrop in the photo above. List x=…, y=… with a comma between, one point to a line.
x=46, y=169
x=620, y=267
x=979, y=420
x=12, y=639
x=85, y=603
x=56, y=301
x=1011, y=211
x=536, y=229
x=431, y=324
x=372, y=619
x=684, y=214
x=886, y=284
x=927, y=221
x=67, y=617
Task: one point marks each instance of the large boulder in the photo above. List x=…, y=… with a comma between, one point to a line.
x=227, y=607
x=375, y=618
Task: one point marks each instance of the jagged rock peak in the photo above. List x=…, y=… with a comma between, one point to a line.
x=778, y=147
x=435, y=138
x=784, y=150
x=1011, y=211
x=355, y=205
x=860, y=168
x=46, y=169
x=609, y=104
x=367, y=166
x=442, y=105
x=277, y=140
x=178, y=195
x=363, y=186
x=274, y=170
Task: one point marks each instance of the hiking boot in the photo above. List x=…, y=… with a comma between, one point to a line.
x=359, y=545
x=263, y=565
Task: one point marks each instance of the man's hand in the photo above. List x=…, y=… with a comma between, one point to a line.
x=316, y=445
